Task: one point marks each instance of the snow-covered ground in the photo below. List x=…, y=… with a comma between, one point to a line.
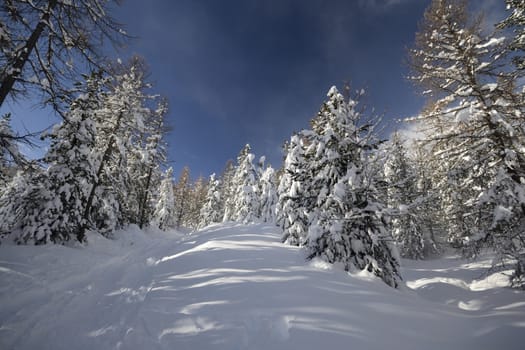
x=237, y=287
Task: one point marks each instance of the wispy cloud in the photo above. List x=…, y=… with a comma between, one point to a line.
x=381, y=5
x=493, y=12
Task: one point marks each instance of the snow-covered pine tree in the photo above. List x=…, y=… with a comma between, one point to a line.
x=181, y=191
x=404, y=200
x=10, y=156
x=164, y=212
x=123, y=117
x=226, y=191
x=295, y=199
x=476, y=124
x=349, y=223
x=148, y=153
x=197, y=199
x=268, y=195
x=245, y=198
x=51, y=208
x=211, y=211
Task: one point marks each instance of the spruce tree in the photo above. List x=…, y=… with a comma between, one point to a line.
x=51, y=208
x=164, y=212
x=211, y=211
x=349, y=223
x=296, y=200
x=226, y=191
x=268, y=195
x=182, y=197
x=245, y=196
x=408, y=228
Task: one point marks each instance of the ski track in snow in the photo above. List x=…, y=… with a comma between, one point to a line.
x=236, y=287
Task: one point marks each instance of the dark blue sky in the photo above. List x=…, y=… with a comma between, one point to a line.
x=254, y=71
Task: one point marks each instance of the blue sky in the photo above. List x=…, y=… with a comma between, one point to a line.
x=255, y=71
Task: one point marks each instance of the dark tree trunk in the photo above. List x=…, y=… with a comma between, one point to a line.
x=23, y=56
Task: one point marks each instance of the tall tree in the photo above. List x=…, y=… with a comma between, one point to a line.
x=405, y=200
x=245, y=197
x=10, y=155
x=197, y=199
x=43, y=40
x=51, y=208
x=182, y=197
x=268, y=195
x=296, y=199
x=226, y=190
x=349, y=223
x=475, y=125
x=516, y=22
x=164, y=213
x=211, y=211
x=124, y=122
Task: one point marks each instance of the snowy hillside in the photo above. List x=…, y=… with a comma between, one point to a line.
x=237, y=287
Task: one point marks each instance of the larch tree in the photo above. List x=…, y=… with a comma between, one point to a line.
x=405, y=202
x=182, y=197
x=124, y=117
x=477, y=128
x=45, y=43
x=516, y=22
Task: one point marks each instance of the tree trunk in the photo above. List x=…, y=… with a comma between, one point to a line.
x=23, y=56
x=145, y=199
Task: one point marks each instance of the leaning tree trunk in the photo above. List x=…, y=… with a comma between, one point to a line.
x=23, y=54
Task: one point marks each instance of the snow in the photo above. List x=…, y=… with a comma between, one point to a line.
x=491, y=42
x=232, y=286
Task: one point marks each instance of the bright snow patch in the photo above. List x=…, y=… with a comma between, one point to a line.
x=237, y=287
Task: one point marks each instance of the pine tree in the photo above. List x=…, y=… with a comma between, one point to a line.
x=126, y=128
x=245, y=198
x=164, y=213
x=182, y=197
x=405, y=200
x=211, y=211
x=51, y=208
x=268, y=195
x=147, y=154
x=349, y=223
x=197, y=199
x=226, y=191
x=296, y=200
x=10, y=156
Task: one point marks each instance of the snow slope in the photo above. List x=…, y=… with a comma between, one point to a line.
x=236, y=287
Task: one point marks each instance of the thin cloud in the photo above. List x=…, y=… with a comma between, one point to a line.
x=381, y=5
